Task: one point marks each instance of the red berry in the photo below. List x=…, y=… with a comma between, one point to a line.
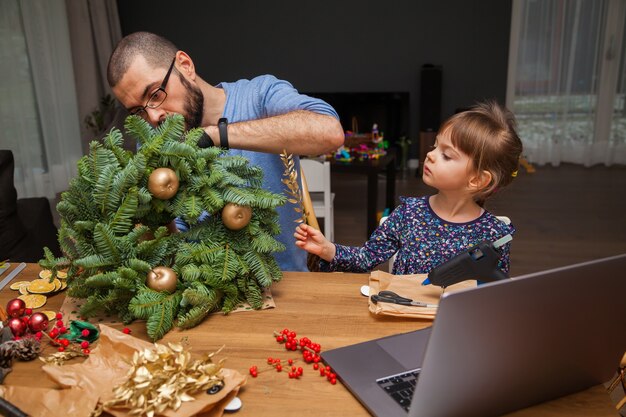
x=65, y=342
x=254, y=374
x=285, y=331
x=59, y=316
x=61, y=349
x=279, y=367
x=292, y=335
x=85, y=333
x=59, y=323
x=63, y=330
x=28, y=311
x=279, y=339
x=86, y=351
x=38, y=335
x=126, y=330
x=84, y=344
x=290, y=361
x=333, y=381
x=316, y=366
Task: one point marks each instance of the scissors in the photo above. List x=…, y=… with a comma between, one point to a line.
x=392, y=297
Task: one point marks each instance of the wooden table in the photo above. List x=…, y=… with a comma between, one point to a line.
x=372, y=168
x=328, y=309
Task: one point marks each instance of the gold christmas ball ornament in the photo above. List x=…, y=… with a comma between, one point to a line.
x=236, y=217
x=162, y=278
x=163, y=183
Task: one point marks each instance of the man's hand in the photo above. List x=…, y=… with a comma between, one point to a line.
x=298, y=132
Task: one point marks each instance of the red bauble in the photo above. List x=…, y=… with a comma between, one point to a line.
x=16, y=307
x=38, y=322
x=17, y=326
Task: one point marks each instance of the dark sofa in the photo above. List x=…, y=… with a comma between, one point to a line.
x=26, y=224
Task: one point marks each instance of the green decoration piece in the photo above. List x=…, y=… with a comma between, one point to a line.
x=75, y=332
x=114, y=231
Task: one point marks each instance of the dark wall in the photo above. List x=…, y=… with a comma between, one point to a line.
x=341, y=45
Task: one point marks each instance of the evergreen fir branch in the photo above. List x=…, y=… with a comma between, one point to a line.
x=194, y=316
x=240, y=196
x=216, y=178
x=267, y=199
x=123, y=181
x=231, y=298
x=190, y=273
x=102, y=189
x=106, y=242
x=172, y=128
x=158, y=308
x=139, y=129
x=49, y=261
x=84, y=170
x=140, y=266
x=122, y=220
x=203, y=300
x=254, y=296
x=113, y=140
x=94, y=262
x=177, y=151
x=261, y=268
x=102, y=281
x=102, y=159
x=265, y=243
x=84, y=227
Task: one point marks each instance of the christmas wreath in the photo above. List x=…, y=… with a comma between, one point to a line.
x=119, y=253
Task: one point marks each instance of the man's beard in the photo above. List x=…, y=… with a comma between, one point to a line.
x=194, y=105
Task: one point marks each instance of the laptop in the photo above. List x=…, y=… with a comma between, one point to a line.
x=498, y=347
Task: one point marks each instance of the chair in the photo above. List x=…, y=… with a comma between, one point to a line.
x=619, y=380
x=503, y=219
x=317, y=176
x=26, y=224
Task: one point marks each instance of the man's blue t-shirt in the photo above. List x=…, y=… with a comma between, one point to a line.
x=262, y=97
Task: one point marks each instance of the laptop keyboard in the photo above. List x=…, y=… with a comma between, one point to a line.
x=400, y=386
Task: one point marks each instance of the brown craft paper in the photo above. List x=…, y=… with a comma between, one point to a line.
x=409, y=286
x=92, y=381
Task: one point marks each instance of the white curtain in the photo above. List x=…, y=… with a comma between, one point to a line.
x=566, y=80
x=39, y=111
x=94, y=31
x=53, y=56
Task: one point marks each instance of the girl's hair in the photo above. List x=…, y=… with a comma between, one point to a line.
x=157, y=51
x=486, y=133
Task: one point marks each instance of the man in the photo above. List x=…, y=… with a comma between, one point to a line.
x=259, y=118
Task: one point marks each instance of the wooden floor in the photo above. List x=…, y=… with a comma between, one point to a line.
x=563, y=215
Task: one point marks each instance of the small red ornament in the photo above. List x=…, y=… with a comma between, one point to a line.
x=17, y=326
x=38, y=322
x=16, y=307
x=126, y=330
x=84, y=344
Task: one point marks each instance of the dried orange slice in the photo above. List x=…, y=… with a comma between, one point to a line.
x=61, y=274
x=50, y=314
x=16, y=285
x=45, y=274
x=33, y=300
x=63, y=285
x=41, y=286
x=24, y=290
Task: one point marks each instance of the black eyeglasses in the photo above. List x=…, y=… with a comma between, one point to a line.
x=157, y=97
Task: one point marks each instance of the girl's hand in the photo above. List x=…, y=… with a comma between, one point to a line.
x=313, y=241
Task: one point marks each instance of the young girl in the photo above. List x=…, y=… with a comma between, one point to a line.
x=475, y=154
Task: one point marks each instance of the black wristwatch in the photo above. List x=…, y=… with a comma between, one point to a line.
x=222, y=126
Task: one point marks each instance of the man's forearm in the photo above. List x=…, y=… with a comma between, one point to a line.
x=299, y=132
